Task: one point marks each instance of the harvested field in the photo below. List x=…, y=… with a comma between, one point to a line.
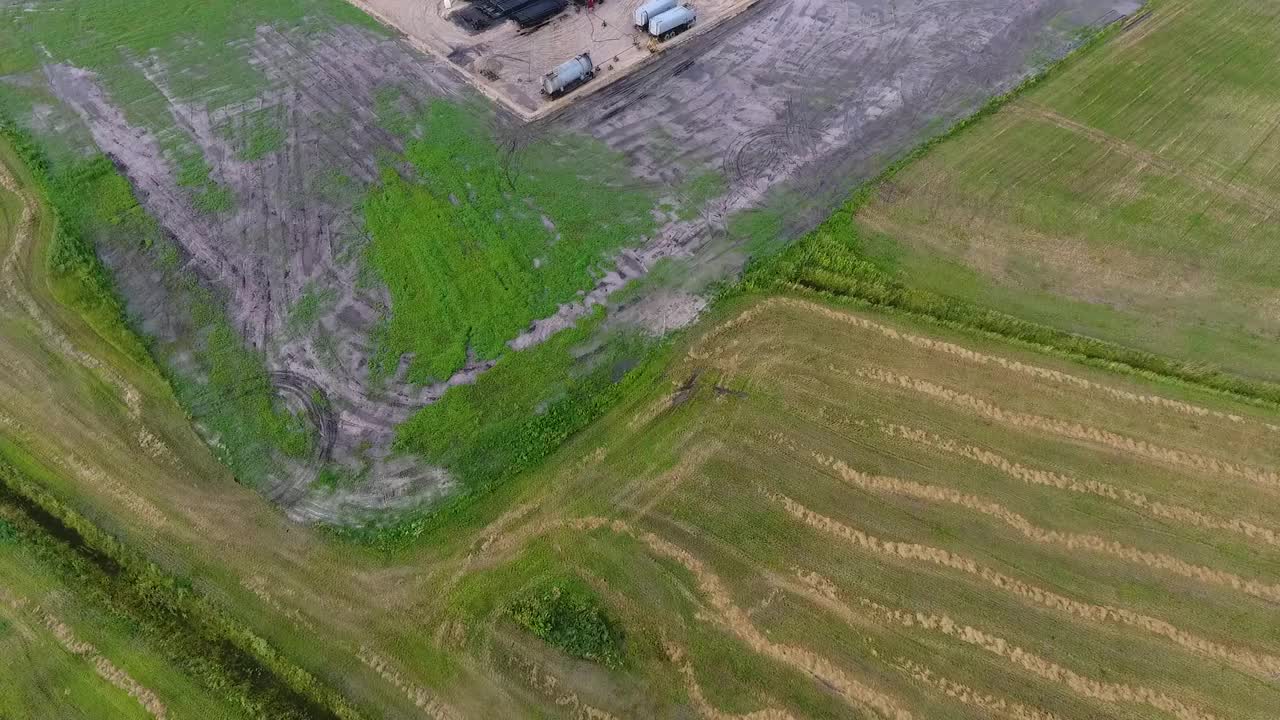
x=919, y=552
x=808, y=541
x=1130, y=199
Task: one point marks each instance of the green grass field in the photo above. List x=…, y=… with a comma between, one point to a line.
x=487, y=241
x=1129, y=197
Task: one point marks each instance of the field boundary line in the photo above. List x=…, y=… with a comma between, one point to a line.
x=1049, y=478
x=1265, y=666
x=1035, y=533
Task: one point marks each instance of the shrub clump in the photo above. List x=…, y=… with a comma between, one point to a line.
x=568, y=615
x=8, y=533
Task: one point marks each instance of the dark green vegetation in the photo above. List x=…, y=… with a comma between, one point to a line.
x=481, y=240
x=503, y=420
x=566, y=613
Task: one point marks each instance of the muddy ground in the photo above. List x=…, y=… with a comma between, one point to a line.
x=794, y=99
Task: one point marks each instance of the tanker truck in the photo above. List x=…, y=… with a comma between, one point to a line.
x=672, y=22
x=568, y=75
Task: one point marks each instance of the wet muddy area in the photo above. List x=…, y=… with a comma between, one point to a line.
x=791, y=103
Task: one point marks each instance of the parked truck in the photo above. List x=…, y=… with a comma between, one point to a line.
x=568, y=75
x=672, y=22
x=650, y=10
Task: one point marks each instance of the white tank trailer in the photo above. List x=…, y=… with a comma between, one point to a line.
x=672, y=22
x=568, y=75
x=652, y=9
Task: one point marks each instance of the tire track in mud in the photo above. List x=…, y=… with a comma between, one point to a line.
x=735, y=619
x=1085, y=687
x=1260, y=664
x=1261, y=477
x=1047, y=478
x=315, y=404
x=1066, y=540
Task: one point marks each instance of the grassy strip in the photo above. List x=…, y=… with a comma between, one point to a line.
x=195, y=636
x=90, y=193
x=234, y=400
x=830, y=262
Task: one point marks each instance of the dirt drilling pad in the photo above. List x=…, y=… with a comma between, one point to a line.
x=507, y=63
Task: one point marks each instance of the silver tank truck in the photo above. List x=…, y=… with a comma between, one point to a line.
x=568, y=75
x=671, y=22
x=652, y=9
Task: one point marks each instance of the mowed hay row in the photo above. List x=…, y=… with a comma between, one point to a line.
x=824, y=593
x=748, y=346
x=1143, y=497
x=969, y=532
x=970, y=355
x=1050, y=478
x=813, y=372
x=1104, y=640
x=1213, y=467
x=1257, y=663
x=1068, y=541
x=736, y=620
x=1089, y=688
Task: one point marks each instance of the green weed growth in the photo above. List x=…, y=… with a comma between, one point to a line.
x=567, y=613
x=481, y=242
